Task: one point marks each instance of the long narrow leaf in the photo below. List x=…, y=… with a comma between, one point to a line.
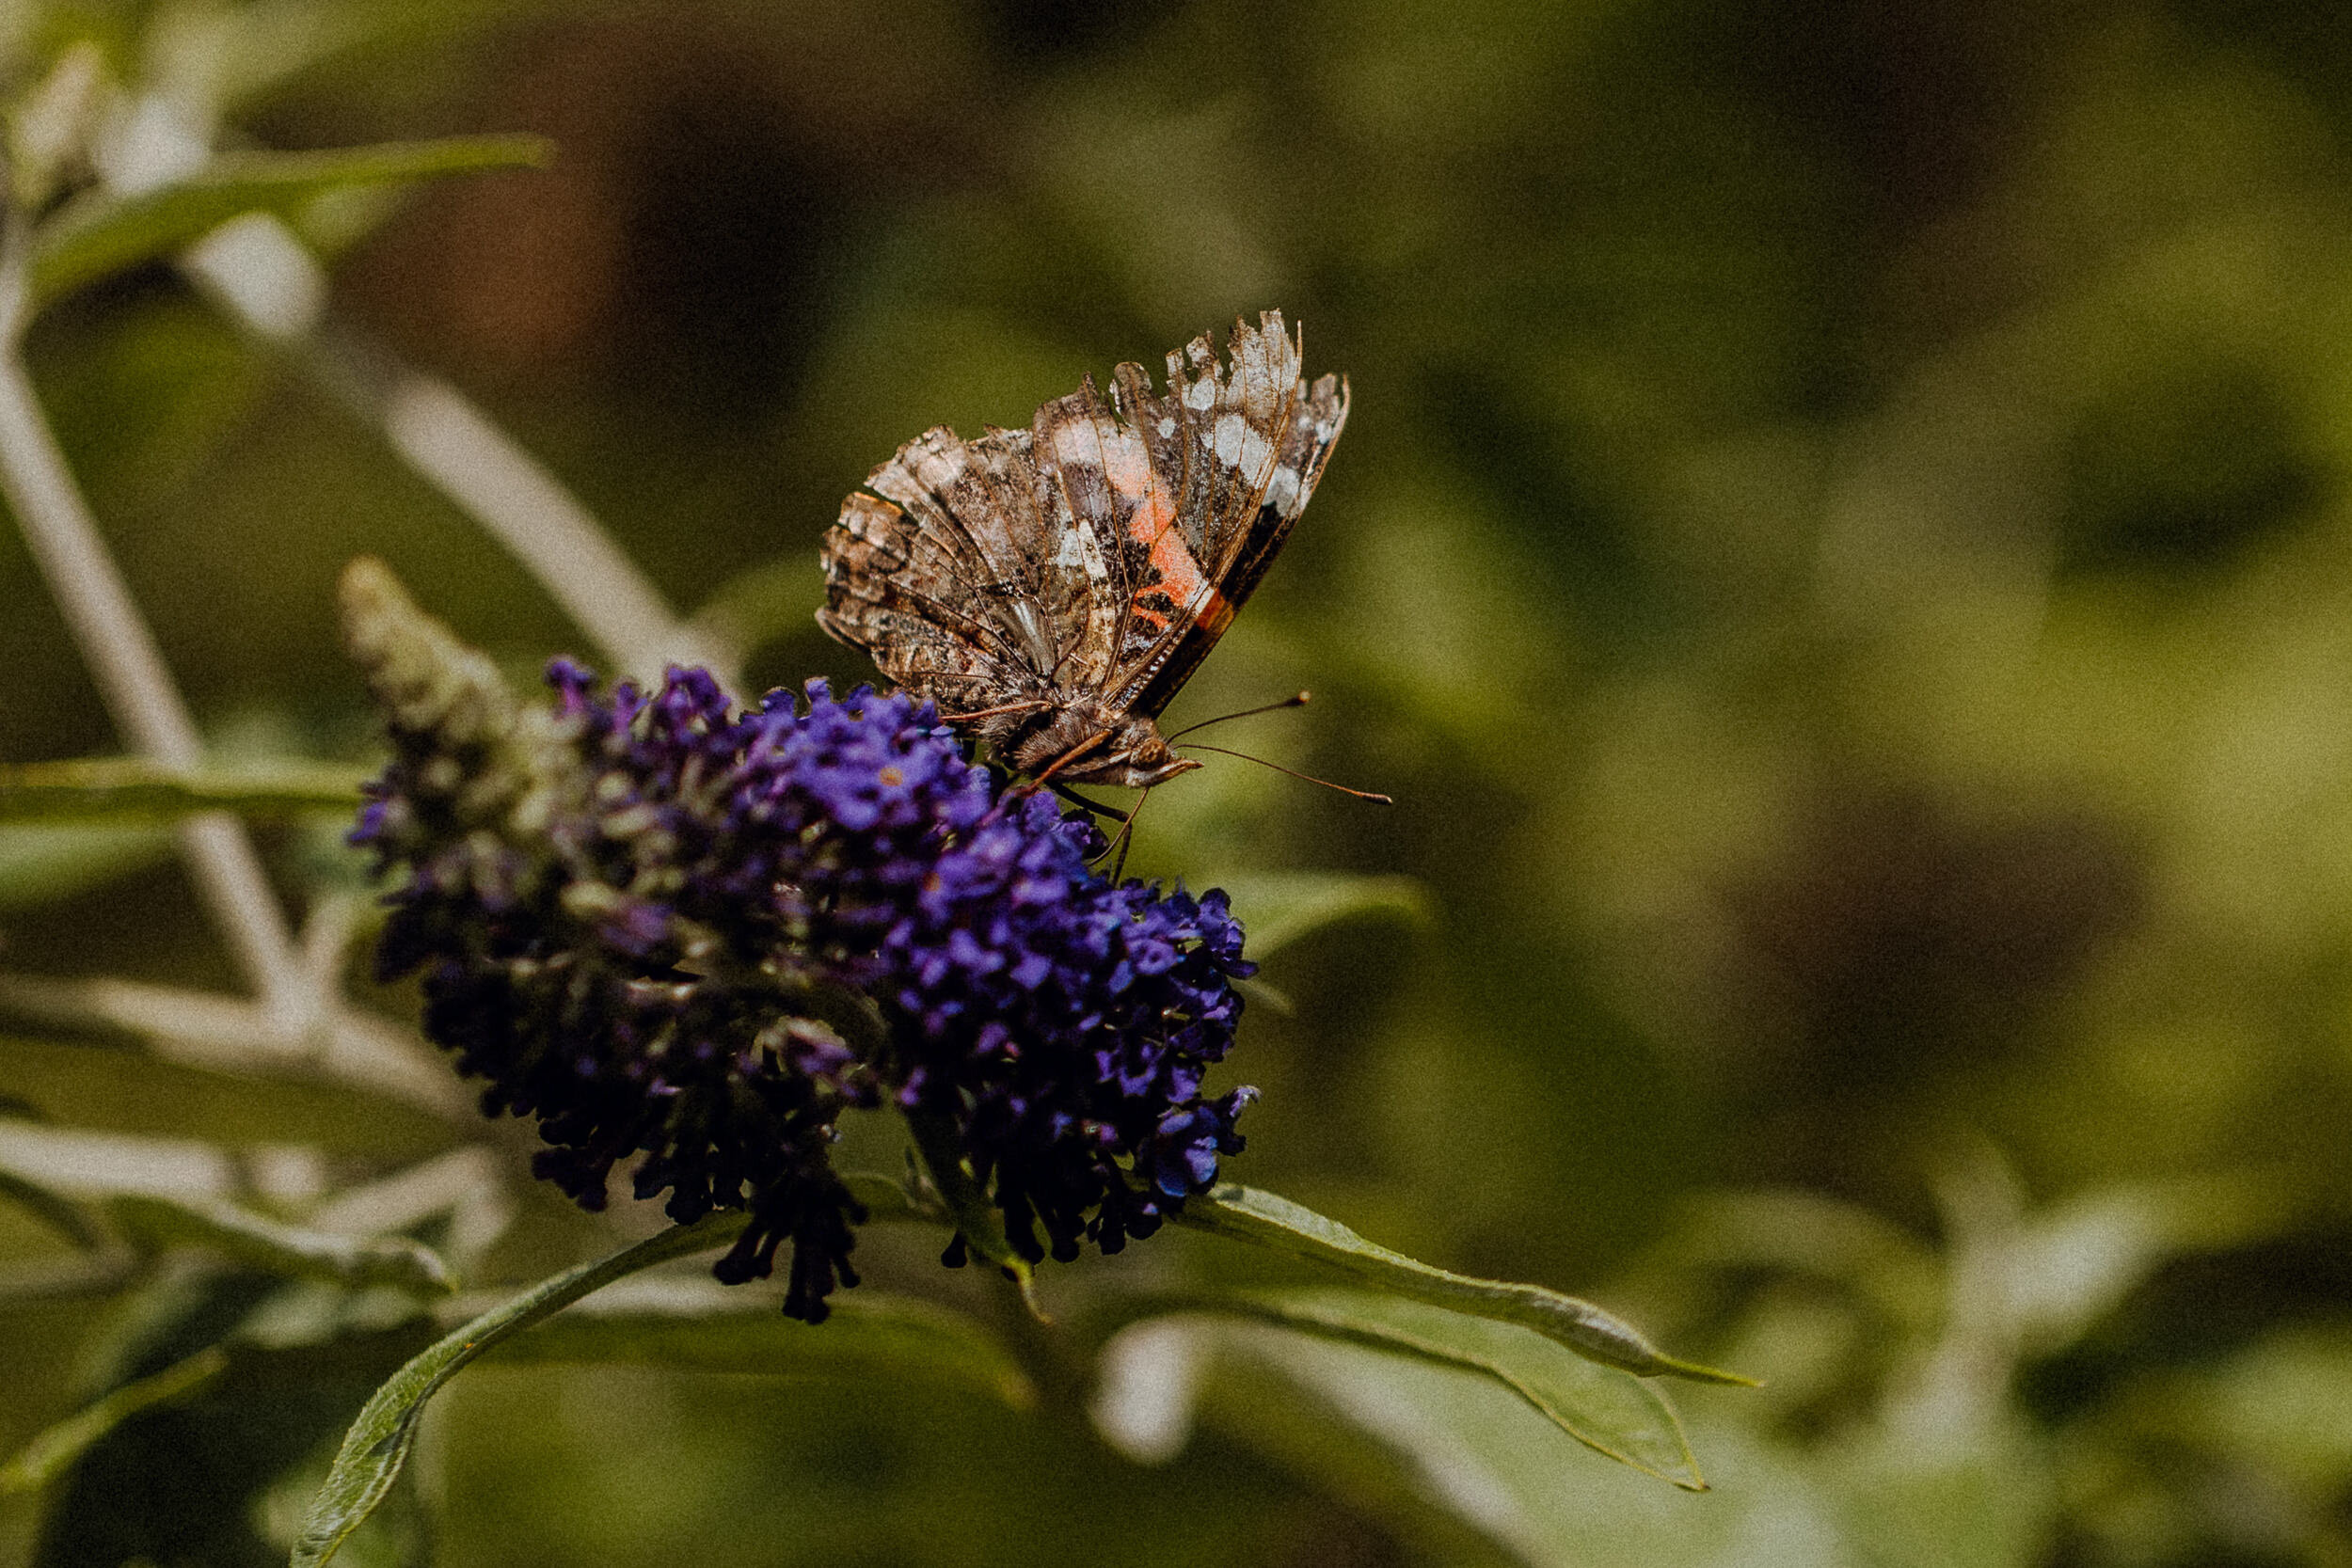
x=1609, y=1411
x=122, y=791
x=1247, y=1215
x=102, y=233
x=164, y=1192
x=978, y=1223
x=227, y=1033
x=377, y=1444
x=41, y=866
x=69, y=1277
x=54, y=1210
x=265, y=1244
x=55, y=1447
x=78, y=1162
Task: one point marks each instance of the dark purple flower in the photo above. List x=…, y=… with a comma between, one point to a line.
x=693, y=938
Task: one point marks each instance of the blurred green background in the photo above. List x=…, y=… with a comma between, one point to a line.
x=1841, y=552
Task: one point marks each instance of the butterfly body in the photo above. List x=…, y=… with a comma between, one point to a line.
x=1053, y=588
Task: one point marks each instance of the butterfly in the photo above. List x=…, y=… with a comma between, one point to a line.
x=1052, y=589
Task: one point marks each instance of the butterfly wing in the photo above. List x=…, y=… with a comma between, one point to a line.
x=1239, y=452
x=1099, y=553
x=976, y=588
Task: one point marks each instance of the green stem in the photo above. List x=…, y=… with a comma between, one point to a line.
x=976, y=1219
x=123, y=659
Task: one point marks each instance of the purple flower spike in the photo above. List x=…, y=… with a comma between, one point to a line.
x=693, y=937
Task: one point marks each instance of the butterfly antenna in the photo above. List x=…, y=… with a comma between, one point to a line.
x=1310, y=778
x=1299, y=701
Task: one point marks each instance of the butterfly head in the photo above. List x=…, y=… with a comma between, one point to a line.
x=1090, y=741
x=1136, y=757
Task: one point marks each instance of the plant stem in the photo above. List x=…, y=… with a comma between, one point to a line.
x=976, y=1221
x=129, y=668
x=259, y=272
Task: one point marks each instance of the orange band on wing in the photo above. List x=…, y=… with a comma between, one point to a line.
x=1178, y=588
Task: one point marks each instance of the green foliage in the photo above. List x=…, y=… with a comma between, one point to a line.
x=259, y=1243
x=697, y=1325
x=45, y=865
x=1842, y=556
x=1604, y=1408
x=122, y=791
x=1270, y=1221
x=100, y=233
x=47, y=1456
x=378, y=1443
x=1281, y=908
x=974, y=1219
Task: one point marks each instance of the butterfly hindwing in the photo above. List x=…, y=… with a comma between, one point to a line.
x=896, y=588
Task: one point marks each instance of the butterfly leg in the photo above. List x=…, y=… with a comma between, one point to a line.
x=1126, y=836
x=1094, y=808
x=992, y=712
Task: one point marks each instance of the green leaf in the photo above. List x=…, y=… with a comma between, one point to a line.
x=1397, y=1436
x=114, y=791
x=265, y=1244
x=1249, y=1214
x=889, y=1201
x=377, y=1444
x=698, y=1325
x=78, y=1162
x=1279, y=908
x=164, y=1192
x=220, y=1036
x=54, y=1450
x=68, y=1276
x=59, y=1213
x=1607, y=1410
x=41, y=866
x=300, y=1361
x=49, y=125
x=100, y=233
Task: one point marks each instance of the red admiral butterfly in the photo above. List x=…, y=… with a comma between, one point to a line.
x=1053, y=588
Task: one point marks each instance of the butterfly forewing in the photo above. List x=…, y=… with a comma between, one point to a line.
x=1259, y=457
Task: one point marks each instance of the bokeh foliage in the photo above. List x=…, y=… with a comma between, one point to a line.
x=1841, y=553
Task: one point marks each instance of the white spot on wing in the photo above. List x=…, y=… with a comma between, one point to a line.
x=939, y=466
x=1229, y=431
x=1282, y=491
x=1254, y=451
x=1070, y=550
x=1167, y=427
x=1200, y=394
x=1076, y=443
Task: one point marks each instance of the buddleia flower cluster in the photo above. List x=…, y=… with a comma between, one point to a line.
x=694, y=938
